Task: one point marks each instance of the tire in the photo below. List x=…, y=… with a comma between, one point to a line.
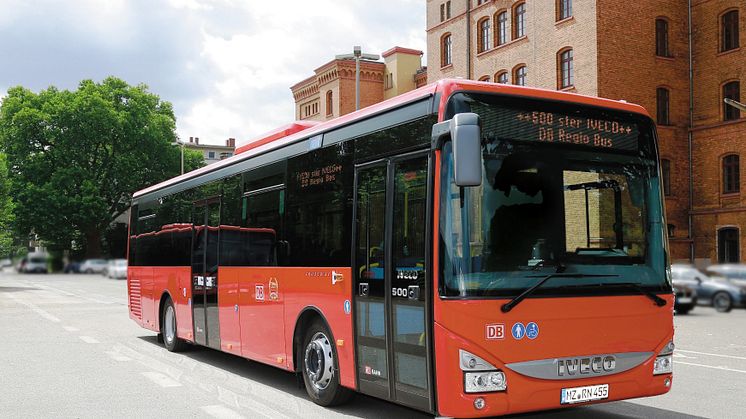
x=683, y=310
x=169, y=329
x=722, y=302
x=319, y=367
x=89, y=271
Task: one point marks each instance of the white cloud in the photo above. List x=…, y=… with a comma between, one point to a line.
x=227, y=65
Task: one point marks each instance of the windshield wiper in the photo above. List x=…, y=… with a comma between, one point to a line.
x=560, y=273
x=660, y=302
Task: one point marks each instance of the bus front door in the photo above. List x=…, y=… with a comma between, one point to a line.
x=392, y=284
x=206, y=221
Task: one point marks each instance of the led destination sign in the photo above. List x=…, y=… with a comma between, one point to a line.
x=557, y=128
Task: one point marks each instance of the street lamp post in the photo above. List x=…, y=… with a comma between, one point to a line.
x=181, y=146
x=357, y=55
x=734, y=103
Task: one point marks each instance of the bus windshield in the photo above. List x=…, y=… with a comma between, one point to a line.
x=562, y=191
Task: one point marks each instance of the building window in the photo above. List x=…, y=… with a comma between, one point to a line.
x=210, y=154
x=564, y=9
x=445, y=50
x=661, y=38
x=731, y=90
x=483, y=43
x=671, y=230
x=329, y=103
x=731, y=175
x=662, y=101
x=448, y=10
x=519, y=75
x=501, y=28
x=729, y=31
x=479, y=2
x=519, y=20
x=501, y=77
x=666, y=173
x=566, y=76
x=442, y=12
x=728, y=245
x=484, y=78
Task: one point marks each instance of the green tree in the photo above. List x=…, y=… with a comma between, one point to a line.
x=6, y=209
x=76, y=157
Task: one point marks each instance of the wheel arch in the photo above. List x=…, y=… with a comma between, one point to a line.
x=306, y=316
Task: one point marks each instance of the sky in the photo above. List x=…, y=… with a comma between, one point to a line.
x=225, y=65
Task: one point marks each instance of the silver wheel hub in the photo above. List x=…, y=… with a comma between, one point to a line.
x=170, y=325
x=318, y=361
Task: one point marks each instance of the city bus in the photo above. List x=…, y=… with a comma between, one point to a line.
x=466, y=249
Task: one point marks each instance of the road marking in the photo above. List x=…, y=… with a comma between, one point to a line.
x=71, y=329
x=709, y=366
x=221, y=412
x=117, y=356
x=708, y=354
x=35, y=309
x=88, y=339
x=161, y=379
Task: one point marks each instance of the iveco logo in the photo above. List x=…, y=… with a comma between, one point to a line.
x=586, y=366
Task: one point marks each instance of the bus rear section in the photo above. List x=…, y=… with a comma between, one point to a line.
x=552, y=280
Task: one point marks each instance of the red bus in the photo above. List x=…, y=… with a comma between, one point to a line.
x=467, y=249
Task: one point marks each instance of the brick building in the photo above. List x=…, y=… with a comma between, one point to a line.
x=212, y=153
x=638, y=52
x=330, y=92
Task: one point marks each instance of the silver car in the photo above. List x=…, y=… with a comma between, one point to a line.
x=712, y=289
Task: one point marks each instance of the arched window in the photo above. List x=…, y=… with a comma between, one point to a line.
x=662, y=100
x=485, y=38
x=501, y=28
x=484, y=78
x=519, y=20
x=666, y=173
x=661, y=38
x=728, y=245
x=565, y=76
x=731, y=90
x=564, y=9
x=501, y=77
x=329, y=103
x=445, y=50
x=731, y=174
x=729, y=31
x=519, y=75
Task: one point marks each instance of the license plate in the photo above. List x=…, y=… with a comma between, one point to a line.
x=584, y=394
x=684, y=300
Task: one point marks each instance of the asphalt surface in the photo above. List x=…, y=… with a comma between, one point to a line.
x=69, y=349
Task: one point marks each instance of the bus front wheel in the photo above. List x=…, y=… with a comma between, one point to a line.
x=168, y=328
x=319, y=367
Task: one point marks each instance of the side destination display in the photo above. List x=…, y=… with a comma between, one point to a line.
x=551, y=127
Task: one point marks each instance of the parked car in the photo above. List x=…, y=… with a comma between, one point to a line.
x=711, y=290
x=34, y=263
x=91, y=266
x=72, y=268
x=117, y=269
x=734, y=272
x=4, y=263
x=685, y=298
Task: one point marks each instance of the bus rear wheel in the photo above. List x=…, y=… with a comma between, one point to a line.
x=171, y=340
x=319, y=367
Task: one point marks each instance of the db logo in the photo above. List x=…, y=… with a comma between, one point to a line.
x=495, y=331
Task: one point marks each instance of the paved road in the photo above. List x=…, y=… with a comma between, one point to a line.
x=69, y=349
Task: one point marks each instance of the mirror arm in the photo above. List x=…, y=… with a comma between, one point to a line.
x=441, y=133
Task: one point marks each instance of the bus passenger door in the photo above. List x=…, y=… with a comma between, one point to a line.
x=206, y=221
x=392, y=284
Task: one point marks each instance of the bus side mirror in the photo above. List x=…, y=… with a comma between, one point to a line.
x=467, y=149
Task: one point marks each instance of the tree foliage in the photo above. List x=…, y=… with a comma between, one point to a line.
x=76, y=157
x=6, y=209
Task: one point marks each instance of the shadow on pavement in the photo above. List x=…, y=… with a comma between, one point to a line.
x=16, y=289
x=368, y=407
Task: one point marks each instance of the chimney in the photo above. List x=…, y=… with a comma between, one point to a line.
x=196, y=140
x=191, y=139
x=231, y=142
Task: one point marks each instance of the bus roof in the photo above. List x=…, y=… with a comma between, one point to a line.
x=446, y=87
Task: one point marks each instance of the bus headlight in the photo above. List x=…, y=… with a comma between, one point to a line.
x=483, y=382
x=663, y=365
x=479, y=375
